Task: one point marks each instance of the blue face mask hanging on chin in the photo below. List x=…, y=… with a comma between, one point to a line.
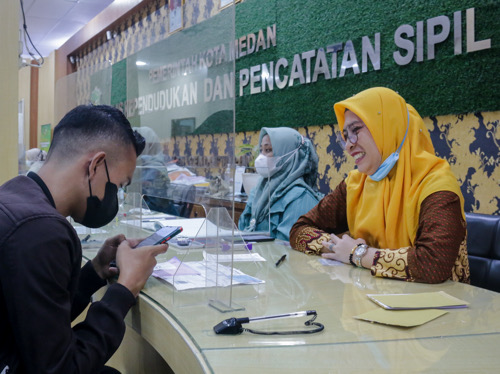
x=390, y=161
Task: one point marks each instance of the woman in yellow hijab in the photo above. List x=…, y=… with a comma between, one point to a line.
x=401, y=210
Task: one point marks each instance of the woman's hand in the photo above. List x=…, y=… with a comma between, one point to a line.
x=339, y=249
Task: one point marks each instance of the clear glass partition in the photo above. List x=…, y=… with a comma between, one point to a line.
x=91, y=85
x=179, y=93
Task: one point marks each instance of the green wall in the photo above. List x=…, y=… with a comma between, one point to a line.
x=448, y=84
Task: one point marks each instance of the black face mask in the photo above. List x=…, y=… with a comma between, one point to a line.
x=100, y=213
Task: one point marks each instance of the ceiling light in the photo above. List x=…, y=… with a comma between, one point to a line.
x=141, y=63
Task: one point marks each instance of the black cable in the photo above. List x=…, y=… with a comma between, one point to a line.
x=320, y=327
x=39, y=63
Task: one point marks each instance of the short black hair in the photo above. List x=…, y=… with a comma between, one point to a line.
x=87, y=126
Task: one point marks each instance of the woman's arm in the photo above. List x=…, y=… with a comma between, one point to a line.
x=313, y=228
x=245, y=216
x=439, y=250
x=301, y=203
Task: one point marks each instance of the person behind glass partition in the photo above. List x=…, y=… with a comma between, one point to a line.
x=151, y=169
x=151, y=173
x=401, y=210
x=288, y=165
x=35, y=158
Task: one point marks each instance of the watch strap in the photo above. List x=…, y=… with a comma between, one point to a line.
x=352, y=254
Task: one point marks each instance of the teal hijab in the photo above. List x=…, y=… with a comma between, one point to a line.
x=299, y=168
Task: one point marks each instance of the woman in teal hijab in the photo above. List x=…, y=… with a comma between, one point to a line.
x=288, y=165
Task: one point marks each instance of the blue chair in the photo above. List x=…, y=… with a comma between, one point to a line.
x=483, y=247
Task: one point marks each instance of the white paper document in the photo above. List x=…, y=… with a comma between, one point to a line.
x=237, y=257
x=82, y=230
x=191, y=227
x=194, y=274
x=147, y=221
x=329, y=262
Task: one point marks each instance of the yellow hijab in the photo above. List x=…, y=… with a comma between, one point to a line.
x=386, y=213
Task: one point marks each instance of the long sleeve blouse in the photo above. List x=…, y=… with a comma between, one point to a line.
x=438, y=252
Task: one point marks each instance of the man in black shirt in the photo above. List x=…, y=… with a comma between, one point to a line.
x=42, y=284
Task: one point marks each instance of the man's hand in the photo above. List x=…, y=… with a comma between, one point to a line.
x=136, y=264
x=106, y=254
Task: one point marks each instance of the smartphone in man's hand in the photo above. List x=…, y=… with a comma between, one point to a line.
x=161, y=236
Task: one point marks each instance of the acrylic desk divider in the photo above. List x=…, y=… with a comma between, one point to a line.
x=131, y=211
x=217, y=243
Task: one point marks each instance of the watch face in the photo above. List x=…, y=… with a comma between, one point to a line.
x=360, y=251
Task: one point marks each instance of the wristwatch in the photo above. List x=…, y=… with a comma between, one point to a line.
x=357, y=254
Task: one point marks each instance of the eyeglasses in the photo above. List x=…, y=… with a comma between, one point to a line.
x=350, y=133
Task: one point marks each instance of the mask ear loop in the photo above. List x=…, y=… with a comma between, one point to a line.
x=387, y=165
x=406, y=133
x=107, y=173
x=90, y=187
x=291, y=153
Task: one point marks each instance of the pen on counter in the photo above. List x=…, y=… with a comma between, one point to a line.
x=282, y=258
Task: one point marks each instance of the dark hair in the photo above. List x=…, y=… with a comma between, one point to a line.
x=88, y=126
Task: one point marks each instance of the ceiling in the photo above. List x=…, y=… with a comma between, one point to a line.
x=51, y=23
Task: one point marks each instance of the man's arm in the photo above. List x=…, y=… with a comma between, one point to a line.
x=40, y=279
x=432, y=258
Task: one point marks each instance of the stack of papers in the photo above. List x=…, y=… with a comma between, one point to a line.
x=409, y=310
x=82, y=230
x=426, y=300
x=193, y=274
x=236, y=257
x=147, y=221
x=197, y=226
